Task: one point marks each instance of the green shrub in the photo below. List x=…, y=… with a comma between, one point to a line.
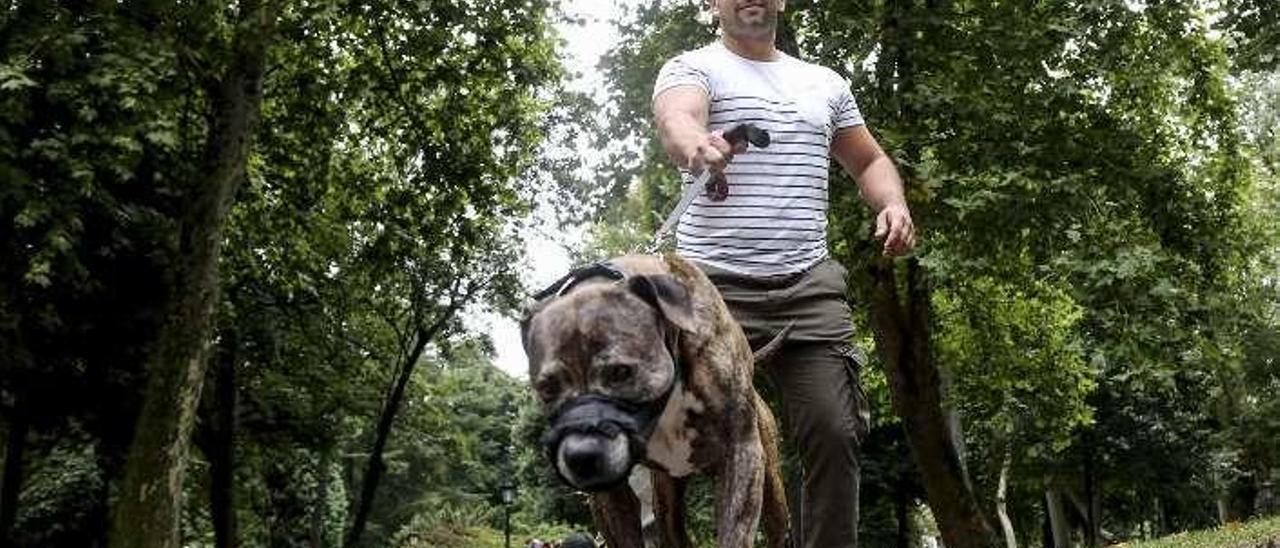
x=1263, y=533
x=450, y=526
x=451, y=537
x=545, y=531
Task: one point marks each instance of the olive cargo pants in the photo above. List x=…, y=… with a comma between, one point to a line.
x=824, y=411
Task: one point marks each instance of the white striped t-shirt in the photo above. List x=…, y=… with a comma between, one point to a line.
x=774, y=221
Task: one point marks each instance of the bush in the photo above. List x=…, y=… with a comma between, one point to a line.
x=450, y=526
x=451, y=537
x=546, y=532
x=1263, y=533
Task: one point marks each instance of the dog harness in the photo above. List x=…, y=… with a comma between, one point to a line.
x=603, y=269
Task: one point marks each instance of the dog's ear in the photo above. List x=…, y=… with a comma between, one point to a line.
x=667, y=295
x=526, y=316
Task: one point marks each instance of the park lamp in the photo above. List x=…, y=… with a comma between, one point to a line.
x=508, y=493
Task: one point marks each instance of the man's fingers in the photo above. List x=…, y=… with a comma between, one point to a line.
x=716, y=138
x=713, y=159
x=720, y=149
x=694, y=163
x=897, y=230
x=893, y=243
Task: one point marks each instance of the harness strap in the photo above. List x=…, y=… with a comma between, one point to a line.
x=565, y=283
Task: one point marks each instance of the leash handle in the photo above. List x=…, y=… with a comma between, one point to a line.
x=716, y=188
x=749, y=133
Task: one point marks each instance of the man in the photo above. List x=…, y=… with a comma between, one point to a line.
x=764, y=245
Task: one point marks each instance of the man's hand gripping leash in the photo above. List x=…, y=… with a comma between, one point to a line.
x=711, y=183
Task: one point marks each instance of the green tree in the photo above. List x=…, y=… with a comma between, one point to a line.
x=379, y=197
x=1077, y=167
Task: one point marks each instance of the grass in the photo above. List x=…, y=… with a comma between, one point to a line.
x=1262, y=533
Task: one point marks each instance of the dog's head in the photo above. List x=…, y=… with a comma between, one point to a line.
x=602, y=360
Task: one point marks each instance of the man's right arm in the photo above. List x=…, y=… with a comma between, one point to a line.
x=681, y=114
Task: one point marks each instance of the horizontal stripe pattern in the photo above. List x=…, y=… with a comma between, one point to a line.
x=774, y=219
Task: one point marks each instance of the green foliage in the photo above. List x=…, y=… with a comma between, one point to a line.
x=1095, y=185
x=448, y=526
x=1017, y=362
x=451, y=529
x=382, y=197
x=1255, y=29
x=55, y=502
x=1252, y=534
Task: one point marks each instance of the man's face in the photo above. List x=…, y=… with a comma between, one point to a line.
x=750, y=19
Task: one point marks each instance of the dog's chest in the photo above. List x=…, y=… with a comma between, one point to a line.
x=671, y=445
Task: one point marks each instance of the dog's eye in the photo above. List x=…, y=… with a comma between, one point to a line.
x=548, y=388
x=618, y=374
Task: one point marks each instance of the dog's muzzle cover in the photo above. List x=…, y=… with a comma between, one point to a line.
x=595, y=415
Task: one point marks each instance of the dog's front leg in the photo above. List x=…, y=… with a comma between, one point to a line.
x=669, y=500
x=739, y=492
x=617, y=515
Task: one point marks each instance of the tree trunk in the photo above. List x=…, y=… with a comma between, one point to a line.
x=903, y=330
x=786, y=38
x=221, y=450
x=902, y=333
x=1084, y=511
x=1093, y=497
x=902, y=326
x=321, y=508
x=14, y=449
x=1100, y=536
x=373, y=472
x=148, y=510
x=902, y=511
x=1159, y=528
x=1046, y=528
x=1057, y=519
x=954, y=426
x=1002, y=508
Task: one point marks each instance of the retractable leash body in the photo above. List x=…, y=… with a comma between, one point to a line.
x=716, y=189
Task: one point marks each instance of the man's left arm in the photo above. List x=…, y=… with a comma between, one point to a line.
x=863, y=159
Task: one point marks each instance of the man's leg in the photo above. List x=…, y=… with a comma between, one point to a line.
x=824, y=415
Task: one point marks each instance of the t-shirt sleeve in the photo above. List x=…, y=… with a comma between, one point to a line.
x=680, y=71
x=844, y=109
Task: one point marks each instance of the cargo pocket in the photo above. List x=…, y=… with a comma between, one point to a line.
x=854, y=360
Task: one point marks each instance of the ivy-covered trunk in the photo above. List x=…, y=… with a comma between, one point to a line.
x=147, y=511
x=320, y=510
x=902, y=332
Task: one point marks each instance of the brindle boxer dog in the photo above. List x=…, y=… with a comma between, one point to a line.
x=639, y=362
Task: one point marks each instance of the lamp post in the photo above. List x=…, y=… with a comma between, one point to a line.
x=508, y=499
x=508, y=486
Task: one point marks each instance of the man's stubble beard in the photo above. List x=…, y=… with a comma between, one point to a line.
x=737, y=28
